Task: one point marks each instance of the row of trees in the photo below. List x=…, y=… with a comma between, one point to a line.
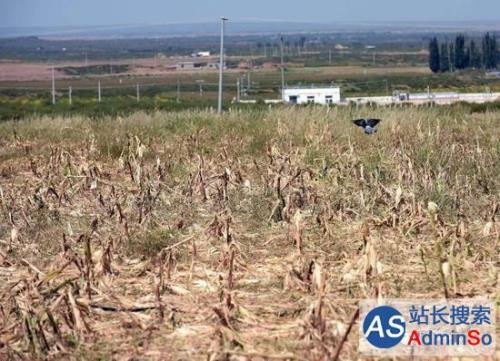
x=459, y=55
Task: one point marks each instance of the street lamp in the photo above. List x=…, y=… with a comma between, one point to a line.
x=221, y=64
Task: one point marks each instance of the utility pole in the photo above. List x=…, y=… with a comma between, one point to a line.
x=99, y=91
x=70, y=91
x=53, y=86
x=200, y=84
x=330, y=56
x=138, y=93
x=238, y=90
x=221, y=64
x=282, y=71
x=178, y=97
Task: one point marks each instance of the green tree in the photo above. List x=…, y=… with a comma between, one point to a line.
x=475, y=56
x=485, y=43
x=466, y=63
x=490, y=51
x=434, y=64
x=460, y=55
x=494, y=52
x=444, y=58
x=451, y=52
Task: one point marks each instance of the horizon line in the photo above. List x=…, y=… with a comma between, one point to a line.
x=253, y=20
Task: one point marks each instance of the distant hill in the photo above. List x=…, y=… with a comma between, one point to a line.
x=237, y=27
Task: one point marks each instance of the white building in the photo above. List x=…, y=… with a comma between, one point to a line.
x=312, y=95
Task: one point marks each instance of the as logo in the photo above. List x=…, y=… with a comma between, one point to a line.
x=384, y=327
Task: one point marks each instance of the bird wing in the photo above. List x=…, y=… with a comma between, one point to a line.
x=373, y=122
x=360, y=122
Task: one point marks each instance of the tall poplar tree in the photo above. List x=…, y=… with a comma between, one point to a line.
x=460, y=56
x=475, y=55
x=444, y=58
x=434, y=63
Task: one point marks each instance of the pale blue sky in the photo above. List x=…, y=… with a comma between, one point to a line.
x=111, y=12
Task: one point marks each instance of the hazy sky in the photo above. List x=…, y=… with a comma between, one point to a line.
x=111, y=12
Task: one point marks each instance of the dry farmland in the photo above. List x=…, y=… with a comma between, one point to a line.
x=251, y=236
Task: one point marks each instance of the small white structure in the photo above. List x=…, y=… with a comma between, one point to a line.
x=203, y=54
x=312, y=95
x=424, y=98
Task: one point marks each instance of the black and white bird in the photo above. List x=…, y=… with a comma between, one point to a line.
x=369, y=125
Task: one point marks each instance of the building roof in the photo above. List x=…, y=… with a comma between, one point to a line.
x=312, y=86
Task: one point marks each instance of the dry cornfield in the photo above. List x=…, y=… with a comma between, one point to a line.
x=251, y=236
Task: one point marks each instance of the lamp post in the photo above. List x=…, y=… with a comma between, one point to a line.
x=221, y=64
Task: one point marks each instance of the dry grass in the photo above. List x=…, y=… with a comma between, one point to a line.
x=182, y=236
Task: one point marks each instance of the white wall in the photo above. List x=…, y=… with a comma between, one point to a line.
x=439, y=98
x=365, y=100
x=317, y=95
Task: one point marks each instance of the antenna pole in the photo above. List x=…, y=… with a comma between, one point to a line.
x=221, y=64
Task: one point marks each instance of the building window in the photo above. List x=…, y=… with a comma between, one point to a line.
x=329, y=99
x=310, y=99
x=294, y=99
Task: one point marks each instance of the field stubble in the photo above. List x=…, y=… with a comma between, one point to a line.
x=247, y=237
